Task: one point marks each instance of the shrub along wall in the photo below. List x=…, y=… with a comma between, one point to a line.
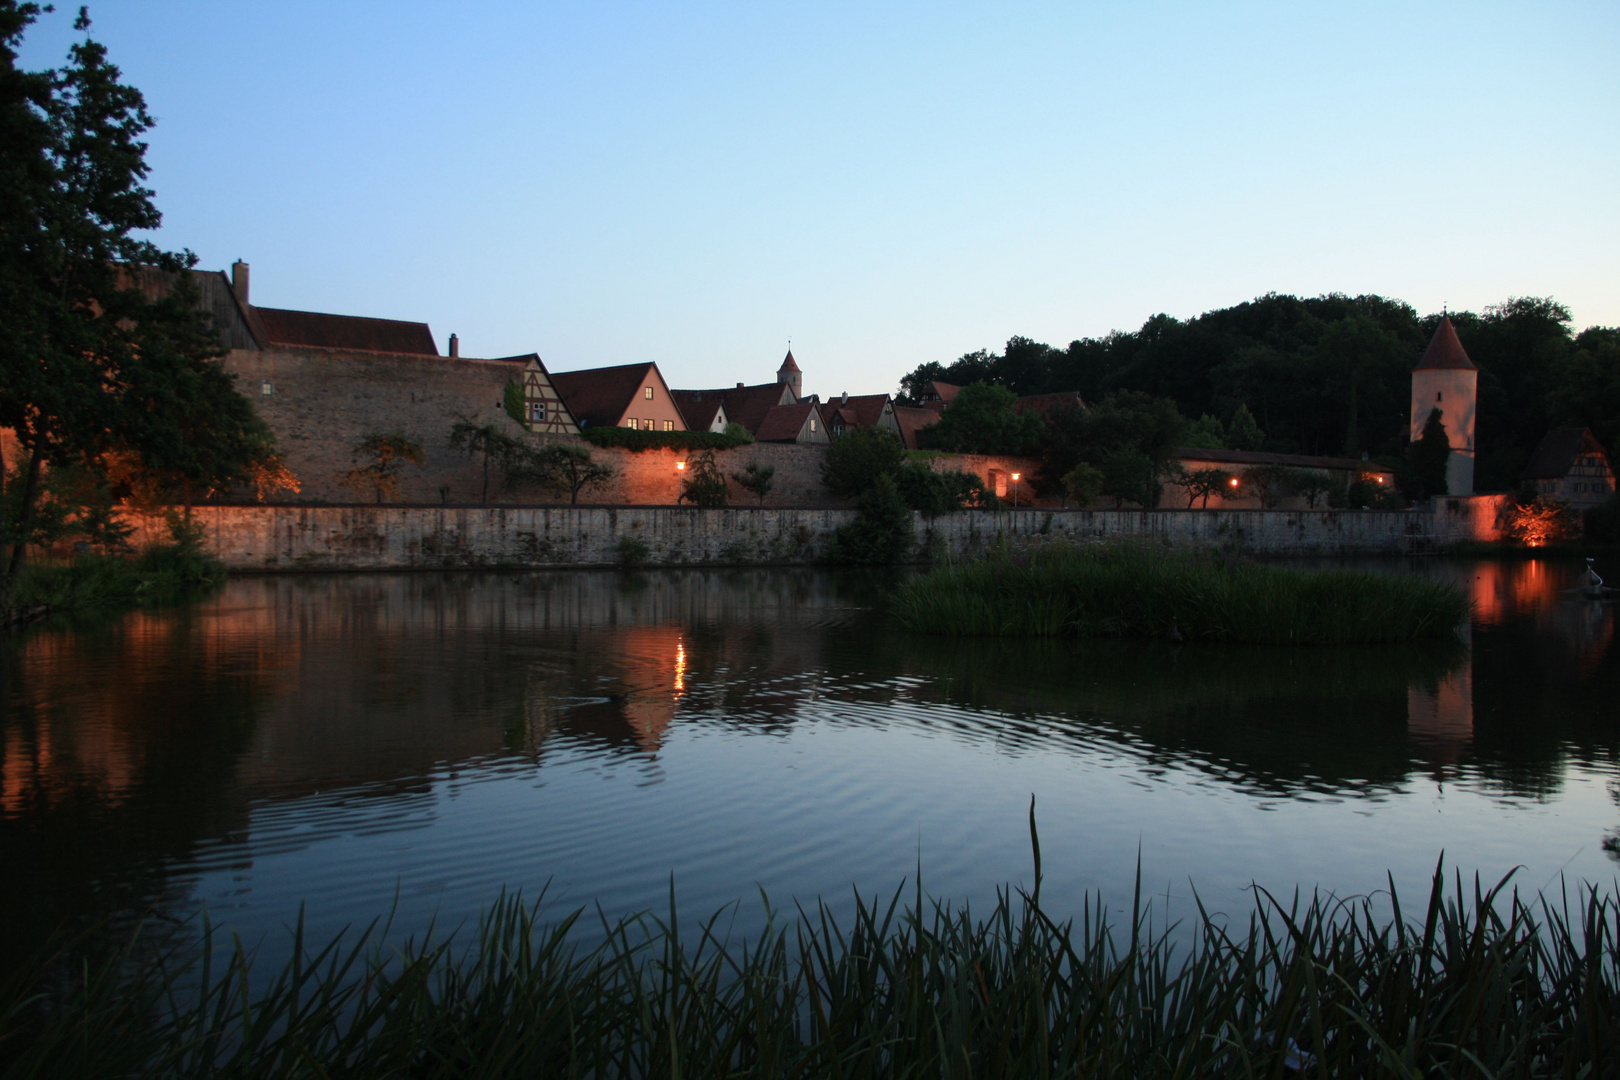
x=280, y=538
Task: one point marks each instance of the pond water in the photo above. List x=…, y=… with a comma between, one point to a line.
x=416, y=743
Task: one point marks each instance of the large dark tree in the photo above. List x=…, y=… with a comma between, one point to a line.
x=104, y=352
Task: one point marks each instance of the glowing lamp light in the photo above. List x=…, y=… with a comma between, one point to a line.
x=1233, y=481
x=680, y=466
x=1017, y=477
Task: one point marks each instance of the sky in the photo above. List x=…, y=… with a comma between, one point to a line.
x=883, y=184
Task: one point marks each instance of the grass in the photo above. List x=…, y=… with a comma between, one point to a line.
x=1134, y=590
x=1477, y=983
x=162, y=575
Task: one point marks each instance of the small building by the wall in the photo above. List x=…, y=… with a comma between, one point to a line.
x=801, y=423
x=745, y=405
x=629, y=395
x=544, y=411
x=845, y=413
x=707, y=415
x=1571, y=465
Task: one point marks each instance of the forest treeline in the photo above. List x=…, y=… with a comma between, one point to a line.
x=1331, y=374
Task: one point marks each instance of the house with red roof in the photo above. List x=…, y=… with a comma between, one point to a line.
x=846, y=413
x=631, y=396
x=1571, y=465
x=801, y=423
x=749, y=405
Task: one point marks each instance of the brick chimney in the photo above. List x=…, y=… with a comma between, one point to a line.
x=455, y=345
x=239, y=281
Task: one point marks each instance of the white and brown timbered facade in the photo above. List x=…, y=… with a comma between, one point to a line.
x=544, y=412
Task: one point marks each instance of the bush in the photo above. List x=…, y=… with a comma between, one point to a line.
x=633, y=550
x=637, y=440
x=703, y=484
x=857, y=458
x=1127, y=590
x=881, y=535
x=933, y=493
x=1539, y=522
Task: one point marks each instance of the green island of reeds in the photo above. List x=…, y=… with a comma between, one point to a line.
x=91, y=585
x=1138, y=590
x=1477, y=983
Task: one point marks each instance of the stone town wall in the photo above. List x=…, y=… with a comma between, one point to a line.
x=282, y=538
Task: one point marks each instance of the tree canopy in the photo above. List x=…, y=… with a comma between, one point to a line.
x=1328, y=375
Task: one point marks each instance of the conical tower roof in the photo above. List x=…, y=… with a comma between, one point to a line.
x=788, y=364
x=1444, y=350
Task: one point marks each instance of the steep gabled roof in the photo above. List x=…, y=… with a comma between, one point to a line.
x=746, y=405
x=524, y=360
x=1043, y=403
x=1555, y=454
x=318, y=330
x=699, y=415
x=944, y=391
x=864, y=410
x=599, y=397
x=782, y=423
x=789, y=364
x=911, y=421
x=1445, y=350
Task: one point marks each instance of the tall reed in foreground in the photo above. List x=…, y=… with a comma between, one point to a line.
x=1479, y=983
x=1135, y=590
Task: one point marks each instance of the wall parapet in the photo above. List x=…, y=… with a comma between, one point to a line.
x=311, y=538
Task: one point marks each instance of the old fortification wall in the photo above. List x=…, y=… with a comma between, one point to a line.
x=277, y=538
x=319, y=403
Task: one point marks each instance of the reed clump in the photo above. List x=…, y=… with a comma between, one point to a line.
x=1136, y=590
x=1479, y=983
x=89, y=584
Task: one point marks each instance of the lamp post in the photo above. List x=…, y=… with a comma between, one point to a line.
x=1016, y=477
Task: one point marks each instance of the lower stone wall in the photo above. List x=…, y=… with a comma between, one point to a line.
x=288, y=538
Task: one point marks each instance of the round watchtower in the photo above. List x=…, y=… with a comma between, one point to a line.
x=1447, y=380
x=790, y=374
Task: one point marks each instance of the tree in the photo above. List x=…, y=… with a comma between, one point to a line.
x=561, y=467
x=1132, y=439
x=983, y=420
x=1202, y=483
x=857, y=458
x=489, y=441
x=756, y=479
x=934, y=493
x=1083, y=484
x=1242, y=433
x=102, y=349
x=378, y=459
x=1311, y=484
x=881, y=533
x=703, y=484
x=1429, y=456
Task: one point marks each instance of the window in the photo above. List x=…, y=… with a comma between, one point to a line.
x=669, y=425
x=266, y=389
x=812, y=424
x=646, y=392
x=631, y=423
x=537, y=412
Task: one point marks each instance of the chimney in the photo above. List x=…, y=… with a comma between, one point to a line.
x=846, y=399
x=455, y=345
x=239, y=281
x=739, y=386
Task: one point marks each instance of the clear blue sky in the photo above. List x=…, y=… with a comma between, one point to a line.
x=885, y=183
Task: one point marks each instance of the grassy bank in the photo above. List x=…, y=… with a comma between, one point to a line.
x=1136, y=590
x=1472, y=984
x=90, y=584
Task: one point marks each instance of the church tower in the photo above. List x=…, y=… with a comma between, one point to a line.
x=1447, y=380
x=790, y=375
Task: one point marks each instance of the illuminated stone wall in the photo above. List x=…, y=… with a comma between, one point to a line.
x=288, y=538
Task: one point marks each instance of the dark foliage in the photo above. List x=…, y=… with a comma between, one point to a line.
x=881, y=534
x=857, y=458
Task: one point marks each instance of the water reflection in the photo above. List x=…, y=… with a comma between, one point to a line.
x=292, y=713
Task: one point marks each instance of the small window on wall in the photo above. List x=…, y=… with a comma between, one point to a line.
x=646, y=392
x=631, y=423
x=812, y=425
x=669, y=425
x=537, y=412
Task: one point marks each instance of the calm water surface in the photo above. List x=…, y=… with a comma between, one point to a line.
x=368, y=742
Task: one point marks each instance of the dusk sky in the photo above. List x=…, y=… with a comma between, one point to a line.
x=885, y=184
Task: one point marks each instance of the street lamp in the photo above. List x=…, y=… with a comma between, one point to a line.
x=680, y=466
x=1016, y=478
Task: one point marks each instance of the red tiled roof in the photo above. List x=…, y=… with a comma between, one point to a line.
x=318, y=330
x=789, y=364
x=912, y=421
x=1444, y=350
x=524, y=359
x=1555, y=454
x=782, y=423
x=600, y=396
x=747, y=405
x=1045, y=402
x=945, y=391
x=864, y=410
x=1257, y=457
x=699, y=414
